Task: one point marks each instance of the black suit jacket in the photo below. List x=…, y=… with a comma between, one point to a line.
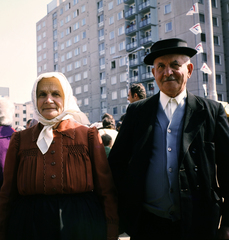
x=204, y=145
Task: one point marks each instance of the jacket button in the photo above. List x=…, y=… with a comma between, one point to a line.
x=53, y=163
x=52, y=152
x=53, y=176
x=196, y=169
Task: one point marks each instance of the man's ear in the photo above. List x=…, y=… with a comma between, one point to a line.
x=190, y=67
x=153, y=69
x=135, y=95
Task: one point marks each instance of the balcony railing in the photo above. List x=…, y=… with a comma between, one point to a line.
x=100, y=9
x=147, y=75
x=102, y=66
x=130, y=12
x=131, y=45
x=101, y=38
x=104, y=95
x=133, y=62
x=102, y=81
x=133, y=79
x=145, y=22
x=131, y=28
x=143, y=5
x=145, y=40
x=101, y=52
x=101, y=24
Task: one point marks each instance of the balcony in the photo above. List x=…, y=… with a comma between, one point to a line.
x=147, y=75
x=133, y=79
x=100, y=24
x=104, y=110
x=145, y=22
x=133, y=62
x=101, y=52
x=101, y=38
x=130, y=13
x=103, y=81
x=132, y=45
x=102, y=66
x=144, y=5
x=100, y=10
x=146, y=40
x=104, y=95
x=131, y=28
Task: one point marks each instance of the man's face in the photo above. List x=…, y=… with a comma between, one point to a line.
x=171, y=73
x=132, y=99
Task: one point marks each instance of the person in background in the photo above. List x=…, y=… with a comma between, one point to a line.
x=136, y=92
x=57, y=181
x=6, y=120
x=170, y=160
x=108, y=127
x=20, y=128
x=28, y=123
x=107, y=142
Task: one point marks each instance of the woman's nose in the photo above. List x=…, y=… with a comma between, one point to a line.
x=49, y=99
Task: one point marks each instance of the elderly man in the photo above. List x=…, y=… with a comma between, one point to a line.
x=166, y=154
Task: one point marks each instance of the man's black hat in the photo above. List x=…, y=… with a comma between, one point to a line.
x=168, y=46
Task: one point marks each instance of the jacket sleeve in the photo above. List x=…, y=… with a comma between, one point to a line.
x=103, y=182
x=9, y=188
x=222, y=161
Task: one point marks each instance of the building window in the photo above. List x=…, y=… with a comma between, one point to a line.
x=61, y=11
x=119, y=2
x=121, y=30
x=112, y=50
x=85, y=74
x=115, y=110
x=67, y=6
x=218, y=79
x=85, y=88
x=63, y=69
x=123, y=77
x=112, y=35
x=39, y=38
x=62, y=34
x=39, y=48
x=168, y=27
x=77, y=77
x=76, y=26
x=69, y=55
x=84, y=48
x=120, y=15
x=215, y=21
x=86, y=101
x=83, y=22
x=17, y=115
x=79, y=102
x=123, y=93
x=77, y=90
x=55, y=46
x=83, y=8
x=68, y=19
x=101, y=33
x=44, y=56
x=62, y=58
x=216, y=40
x=203, y=37
x=76, y=13
x=122, y=62
x=214, y=3
x=217, y=59
x=110, y=5
x=111, y=20
x=83, y=34
x=69, y=43
x=204, y=57
x=220, y=97
x=201, y=1
x=168, y=8
x=84, y=61
x=75, y=2
x=45, y=66
x=77, y=51
x=202, y=18
x=114, y=95
x=113, y=64
x=70, y=79
x=100, y=4
x=77, y=64
x=123, y=109
x=76, y=38
x=122, y=45
x=38, y=27
x=62, y=46
x=69, y=67
x=68, y=31
x=113, y=80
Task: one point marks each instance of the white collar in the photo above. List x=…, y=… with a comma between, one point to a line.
x=164, y=98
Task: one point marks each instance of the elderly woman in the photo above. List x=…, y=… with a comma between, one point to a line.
x=58, y=183
x=6, y=120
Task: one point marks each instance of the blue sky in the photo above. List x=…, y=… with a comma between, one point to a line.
x=18, y=45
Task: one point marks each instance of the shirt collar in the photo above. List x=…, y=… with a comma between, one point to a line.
x=164, y=98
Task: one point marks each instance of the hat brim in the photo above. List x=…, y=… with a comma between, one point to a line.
x=149, y=59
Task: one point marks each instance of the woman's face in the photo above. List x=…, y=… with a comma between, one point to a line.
x=50, y=98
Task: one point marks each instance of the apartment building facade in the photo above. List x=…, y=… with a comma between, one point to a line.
x=90, y=41
x=23, y=112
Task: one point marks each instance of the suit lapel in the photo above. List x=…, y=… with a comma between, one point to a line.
x=194, y=119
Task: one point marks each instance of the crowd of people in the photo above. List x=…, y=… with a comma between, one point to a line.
x=158, y=172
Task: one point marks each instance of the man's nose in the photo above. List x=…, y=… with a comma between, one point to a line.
x=168, y=71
